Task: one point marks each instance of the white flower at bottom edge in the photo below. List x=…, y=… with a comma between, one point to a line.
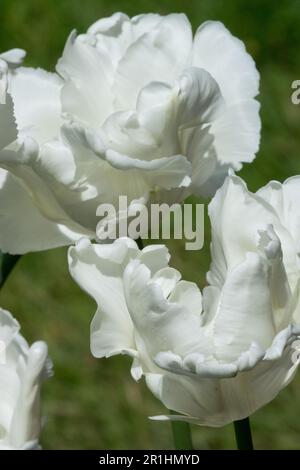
x=211, y=360
x=22, y=370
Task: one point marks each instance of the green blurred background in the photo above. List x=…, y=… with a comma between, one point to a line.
x=93, y=403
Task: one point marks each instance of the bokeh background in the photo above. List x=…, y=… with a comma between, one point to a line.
x=92, y=403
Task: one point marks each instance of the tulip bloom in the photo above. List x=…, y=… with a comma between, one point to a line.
x=217, y=357
x=138, y=108
x=22, y=370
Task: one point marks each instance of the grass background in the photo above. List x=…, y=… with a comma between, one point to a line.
x=93, y=403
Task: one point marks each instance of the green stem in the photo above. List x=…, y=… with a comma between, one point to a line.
x=182, y=435
x=7, y=263
x=243, y=434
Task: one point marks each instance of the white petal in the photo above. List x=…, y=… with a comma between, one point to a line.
x=155, y=257
x=136, y=370
x=225, y=58
x=144, y=23
x=281, y=292
x=195, y=366
x=284, y=198
x=36, y=96
x=86, y=94
x=3, y=81
x=22, y=164
x=250, y=358
x=9, y=326
x=188, y=295
x=200, y=97
x=9, y=391
x=111, y=26
x=219, y=402
x=8, y=129
x=21, y=375
x=234, y=206
x=283, y=339
x=74, y=183
x=98, y=269
x=111, y=36
x=56, y=163
x=237, y=133
x=160, y=325
x=245, y=310
x=116, y=33
x=124, y=133
x=23, y=228
x=202, y=155
x=167, y=278
x=158, y=113
x=200, y=402
x=98, y=179
x=167, y=172
x=216, y=175
x=26, y=422
x=14, y=57
x=159, y=55
x=151, y=132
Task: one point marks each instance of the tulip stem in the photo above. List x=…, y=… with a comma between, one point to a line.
x=182, y=435
x=7, y=263
x=243, y=434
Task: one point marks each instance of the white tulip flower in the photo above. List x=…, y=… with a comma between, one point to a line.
x=219, y=357
x=22, y=370
x=138, y=108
